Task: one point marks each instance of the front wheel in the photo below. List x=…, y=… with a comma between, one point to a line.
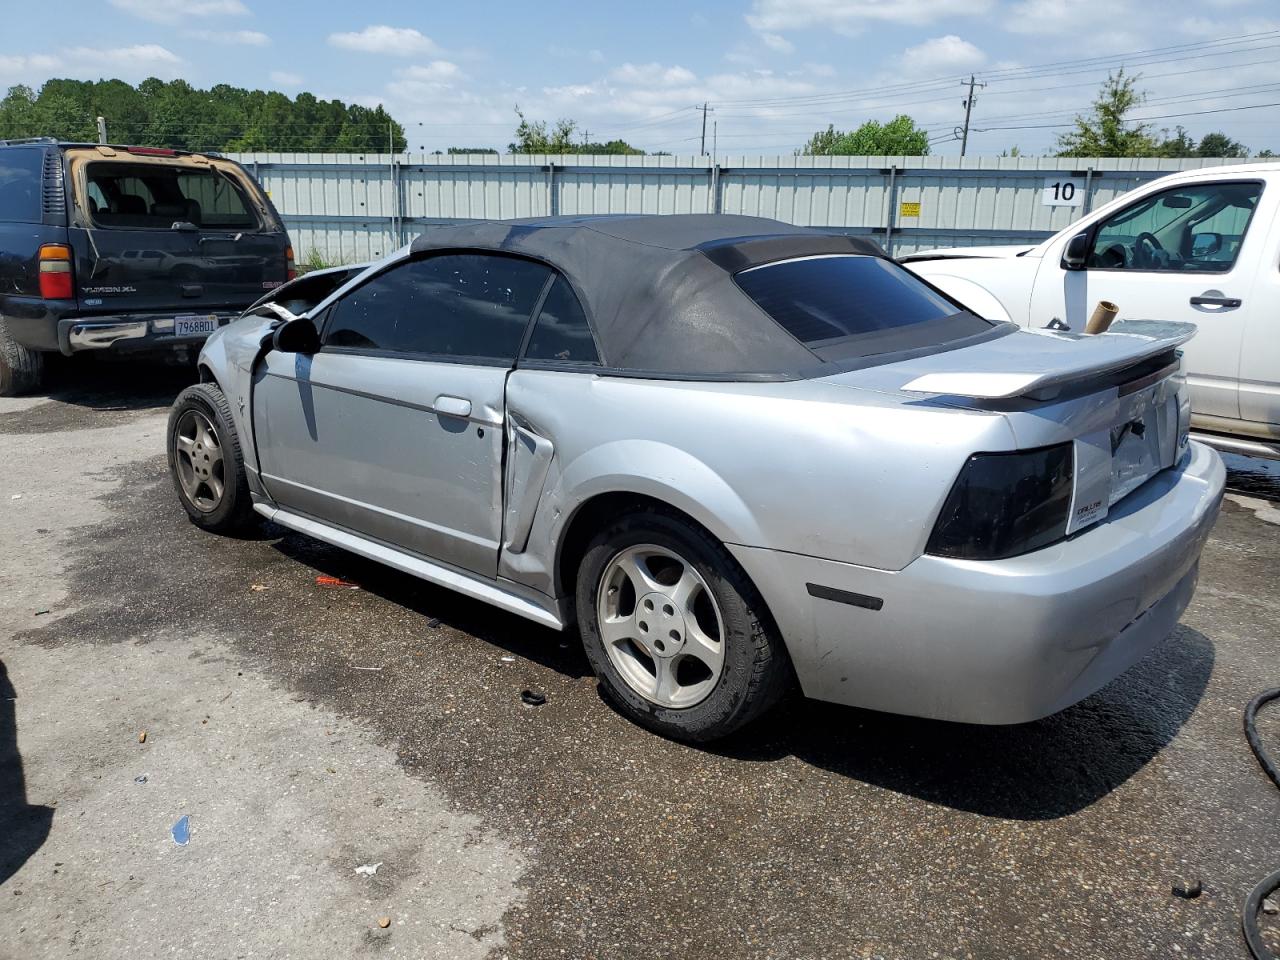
x=206, y=462
x=675, y=631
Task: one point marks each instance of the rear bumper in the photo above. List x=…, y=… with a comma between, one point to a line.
x=129, y=332
x=1004, y=641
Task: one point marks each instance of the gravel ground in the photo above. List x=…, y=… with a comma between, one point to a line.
x=308, y=730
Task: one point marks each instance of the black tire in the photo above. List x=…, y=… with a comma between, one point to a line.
x=234, y=510
x=21, y=368
x=756, y=671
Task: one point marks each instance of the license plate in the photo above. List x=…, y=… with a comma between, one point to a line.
x=193, y=325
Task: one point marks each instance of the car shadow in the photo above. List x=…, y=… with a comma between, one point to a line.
x=1043, y=770
x=561, y=652
x=111, y=383
x=23, y=827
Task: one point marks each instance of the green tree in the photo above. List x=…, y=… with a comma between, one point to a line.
x=533, y=136
x=1106, y=132
x=175, y=114
x=1220, y=145
x=900, y=137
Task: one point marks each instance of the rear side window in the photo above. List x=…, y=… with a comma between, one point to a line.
x=452, y=305
x=151, y=196
x=20, y=181
x=848, y=305
x=561, y=332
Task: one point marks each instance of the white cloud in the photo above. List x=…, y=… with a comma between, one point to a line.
x=380, y=38
x=941, y=55
x=176, y=11
x=25, y=65
x=243, y=38
x=653, y=74
x=851, y=16
x=1046, y=17
x=777, y=42
x=286, y=79
x=435, y=72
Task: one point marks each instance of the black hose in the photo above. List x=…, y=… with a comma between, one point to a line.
x=1253, y=903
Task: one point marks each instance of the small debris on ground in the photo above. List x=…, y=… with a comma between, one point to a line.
x=324, y=580
x=141, y=778
x=508, y=659
x=1271, y=907
x=366, y=668
x=142, y=736
x=255, y=587
x=368, y=869
x=1187, y=889
x=433, y=622
x=533, y=698
x=384, y=922
x=16, y=496
x=41, y=613
x=181, y=831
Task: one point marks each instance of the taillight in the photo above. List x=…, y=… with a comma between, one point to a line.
x=290, y=271
x=55, y=272
x=1005, y=504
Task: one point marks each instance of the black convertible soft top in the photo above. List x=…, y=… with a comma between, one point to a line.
x=659, y=290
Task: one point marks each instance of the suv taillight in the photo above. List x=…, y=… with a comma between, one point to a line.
x=55, y=272
x=1004, y=504
x=290, y=270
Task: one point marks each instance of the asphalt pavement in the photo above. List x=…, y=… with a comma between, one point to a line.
x=307, y=731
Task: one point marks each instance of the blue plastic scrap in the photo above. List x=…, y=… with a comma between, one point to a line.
x=182, y=831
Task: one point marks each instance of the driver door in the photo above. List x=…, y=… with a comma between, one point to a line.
x=1178, y=254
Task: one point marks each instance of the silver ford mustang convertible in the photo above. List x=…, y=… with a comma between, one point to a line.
x=738, y=454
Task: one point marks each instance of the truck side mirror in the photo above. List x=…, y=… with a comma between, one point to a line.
x=1077, y=252
x=298, y=335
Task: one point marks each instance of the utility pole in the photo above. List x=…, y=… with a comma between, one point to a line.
x=968, y=109
x=102, y=129
x=703, y=151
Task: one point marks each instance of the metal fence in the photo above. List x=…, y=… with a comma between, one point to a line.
x=348, y=207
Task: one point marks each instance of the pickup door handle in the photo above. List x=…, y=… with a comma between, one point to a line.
x=1216, y=301
x=452, y=406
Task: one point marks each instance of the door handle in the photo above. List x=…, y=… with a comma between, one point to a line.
x=1216, y=301
x=452, y=406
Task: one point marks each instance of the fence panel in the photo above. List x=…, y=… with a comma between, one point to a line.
x=348, y=207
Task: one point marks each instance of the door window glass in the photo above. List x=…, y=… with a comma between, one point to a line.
x=453, y=305
x=561, y=331
x=1194, y=229
x=20, y=171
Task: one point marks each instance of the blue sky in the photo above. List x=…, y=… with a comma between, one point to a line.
x=773, y=70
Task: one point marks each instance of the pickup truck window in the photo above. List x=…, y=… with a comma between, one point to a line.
x=1196, y=228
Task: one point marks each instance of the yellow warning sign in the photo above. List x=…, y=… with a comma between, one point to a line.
x=909, y=208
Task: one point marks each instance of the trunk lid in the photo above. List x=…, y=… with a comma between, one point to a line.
x=187, y=234
x=1118, y=397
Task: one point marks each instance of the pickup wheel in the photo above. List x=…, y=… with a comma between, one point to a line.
x=677, y=634
x=206, y=462
x=21, y=368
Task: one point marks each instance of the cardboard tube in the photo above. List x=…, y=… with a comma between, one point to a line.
x=1103, y=314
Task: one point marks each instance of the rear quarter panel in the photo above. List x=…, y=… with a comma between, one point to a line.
x=807, y=467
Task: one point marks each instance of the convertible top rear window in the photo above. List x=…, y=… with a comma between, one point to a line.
x=843, y=305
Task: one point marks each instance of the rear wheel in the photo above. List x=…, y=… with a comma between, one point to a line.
x=21, y=368
x=206, y=462
x=676, y=633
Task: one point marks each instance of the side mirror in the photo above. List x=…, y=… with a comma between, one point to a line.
x=1206, y=244
x=298, y=335
x=1077, y=252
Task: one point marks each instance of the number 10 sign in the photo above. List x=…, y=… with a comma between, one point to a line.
x=1063, y=192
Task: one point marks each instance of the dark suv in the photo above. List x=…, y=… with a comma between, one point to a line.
x=125, y=248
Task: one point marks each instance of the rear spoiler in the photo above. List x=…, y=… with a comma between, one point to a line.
x=1040, y=372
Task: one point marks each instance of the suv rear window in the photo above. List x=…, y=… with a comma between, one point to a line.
x=20, y=171
x=845, y=305
x=151, y=196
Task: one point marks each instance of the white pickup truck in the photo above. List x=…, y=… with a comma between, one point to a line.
x=1200, y=246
